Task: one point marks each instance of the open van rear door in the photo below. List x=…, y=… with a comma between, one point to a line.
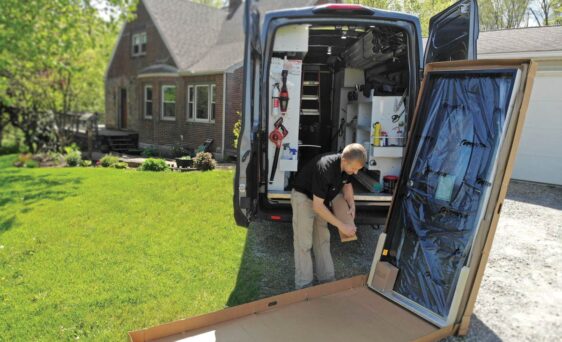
x=246, y=181
x=453, y=33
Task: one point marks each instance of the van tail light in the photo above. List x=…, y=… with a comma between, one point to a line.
x=343, y=8
x=276, y=218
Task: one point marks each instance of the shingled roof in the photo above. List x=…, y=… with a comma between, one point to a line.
x=204, y=39
x=187, y=28
x=531, y=39
x=229, y=48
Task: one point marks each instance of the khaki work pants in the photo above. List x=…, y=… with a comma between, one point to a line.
x=310, y=232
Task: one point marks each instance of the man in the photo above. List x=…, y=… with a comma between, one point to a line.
x=315, y=187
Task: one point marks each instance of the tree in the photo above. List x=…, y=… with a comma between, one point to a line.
x=502, y=14
x=53, y=55
x=550, y=12
x=424, y=9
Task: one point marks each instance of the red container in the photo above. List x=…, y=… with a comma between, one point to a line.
x=390, y=183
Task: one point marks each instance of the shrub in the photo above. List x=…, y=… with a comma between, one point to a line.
x=148, y=152
x=236, y=130
x=26, y=160
x=9, y=149
x=108, y=160
x=22, y=159
x=86, y=163
x=120, y=165
x=31, y=164
x=73, y=158
x=153, y=164
x=49, y=159
x=204, y=161
x=178, y=150
x=71, y=148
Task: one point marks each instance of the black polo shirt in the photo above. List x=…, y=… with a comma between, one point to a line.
x=322, y=176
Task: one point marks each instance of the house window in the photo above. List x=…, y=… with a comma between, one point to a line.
x=139, y=44
x=190, y=102
x=201, y=105
x=168, y=102
x=148, y=102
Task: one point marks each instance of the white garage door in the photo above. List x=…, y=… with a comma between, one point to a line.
x=539, y=158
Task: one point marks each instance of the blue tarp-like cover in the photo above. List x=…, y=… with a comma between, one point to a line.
x=437, y=211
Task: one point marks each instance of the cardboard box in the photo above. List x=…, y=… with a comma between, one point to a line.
x=385, y=276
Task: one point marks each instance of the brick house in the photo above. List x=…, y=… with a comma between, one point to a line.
x=175, y=76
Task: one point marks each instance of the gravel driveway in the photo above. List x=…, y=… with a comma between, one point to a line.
x=521, y=294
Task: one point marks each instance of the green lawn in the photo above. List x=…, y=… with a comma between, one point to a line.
x=92, y=253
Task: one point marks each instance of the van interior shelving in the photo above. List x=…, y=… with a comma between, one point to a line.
x=345, y=84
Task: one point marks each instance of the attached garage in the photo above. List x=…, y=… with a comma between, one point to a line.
x=539, y=158
x=540, y=152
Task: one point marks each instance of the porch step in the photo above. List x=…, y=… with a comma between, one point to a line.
x=122, y=143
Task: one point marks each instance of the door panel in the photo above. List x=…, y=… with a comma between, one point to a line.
x=246, y=180
x=453, y=33
x=458, y=147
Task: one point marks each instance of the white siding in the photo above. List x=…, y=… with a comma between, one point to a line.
x=539, y=157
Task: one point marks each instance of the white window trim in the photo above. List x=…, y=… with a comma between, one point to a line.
x=189, y=102
x=213, y=91
x=209, y=86
x=144, y=101
x=168, y=118
x=140, y=53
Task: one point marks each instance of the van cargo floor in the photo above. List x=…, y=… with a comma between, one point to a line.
x=356, y=314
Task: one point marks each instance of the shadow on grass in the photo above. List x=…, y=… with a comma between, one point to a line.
x=6, y=224
x=20, y=190
x=249, y=274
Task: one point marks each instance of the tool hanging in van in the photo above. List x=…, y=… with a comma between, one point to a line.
x=284, y=94
x=275, y=99
x=276, y=136
x=377, y=133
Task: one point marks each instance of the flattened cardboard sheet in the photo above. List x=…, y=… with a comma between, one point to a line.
x=342, y=313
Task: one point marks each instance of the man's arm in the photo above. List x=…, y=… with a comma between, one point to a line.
x=348, y=196
x=325, y=213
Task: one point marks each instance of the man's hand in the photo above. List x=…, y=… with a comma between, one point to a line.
x=351, y=210
x=348, y=229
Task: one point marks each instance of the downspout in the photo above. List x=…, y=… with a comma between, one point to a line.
x=223, y=112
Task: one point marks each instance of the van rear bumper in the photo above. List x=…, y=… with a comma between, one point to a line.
x=365, y=214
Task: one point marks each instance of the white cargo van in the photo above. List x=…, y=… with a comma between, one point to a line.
x=345, y=73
